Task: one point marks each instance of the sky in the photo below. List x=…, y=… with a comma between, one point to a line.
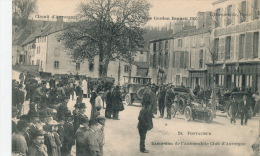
x=160, y=8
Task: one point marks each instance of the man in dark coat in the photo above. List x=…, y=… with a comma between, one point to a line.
x=86, y=143
x=62, y=109
x=145, y=124
x=169, y=100
x=161, y=97
x=69, y=135
x=116, y=102
x=146, y=95
x=234, y=108
x=108, y=100
x=244, y=107
x=38, y=148
x=76, y=117
x=14, y=119
x=19, y=144
x=92, y=102
x=52, y=82
x=79, y=93
x=207, y=95
x=21, y=77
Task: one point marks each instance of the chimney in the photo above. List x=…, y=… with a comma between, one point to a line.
x=201, y=20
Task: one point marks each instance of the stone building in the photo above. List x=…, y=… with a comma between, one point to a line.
x=236, y=42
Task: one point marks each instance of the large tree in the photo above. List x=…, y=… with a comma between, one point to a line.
x=108, y=28
x=22, y=9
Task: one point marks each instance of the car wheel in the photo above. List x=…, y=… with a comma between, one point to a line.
x=173, y=110
x=210, y=116
x=229, y=111
x=128, y=99
x=187, y=113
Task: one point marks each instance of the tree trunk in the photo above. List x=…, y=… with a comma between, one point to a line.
x=105, y=68
x=130, y=72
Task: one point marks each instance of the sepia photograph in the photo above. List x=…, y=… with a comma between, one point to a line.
x=135, y=77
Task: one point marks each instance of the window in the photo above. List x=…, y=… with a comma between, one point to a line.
x=182, y=60
x=126, y=68
x=228, y=46
x=241, y=46
x=154, y=60
x=141, y=52
x=166, y=44
x=56, y=64
x=77, y=66
x=193, y=41
x=91, y=66
x=173, y=59
x=39, y=50
x=32, y=62
x=229, y=14
x=256, y=9
x=255, y=44
x=217, y=18
x=201, y=59
x=160, y=45
x=160, y=59
x=216, y=47
x=179, y=42
x=242, y=12
x=166, y=59
x=154, y=46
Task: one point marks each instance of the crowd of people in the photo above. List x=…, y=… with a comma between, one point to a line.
x=49, y=128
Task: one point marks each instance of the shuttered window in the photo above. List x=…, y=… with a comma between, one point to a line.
x=217, y=18
x=154, y=46
x=154, y=60
x=255, y=44
x=249, y=45
x=255, y=10
x=201, y=59
x=242, y=12
x=181, y=59
x=228, y=47
x=241, y=46
x=229, y=15
x=216, y=46
x=166, y=60
x=173, y=59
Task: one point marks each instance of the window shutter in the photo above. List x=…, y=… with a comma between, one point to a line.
x=151, y=60
x=237, y=47
x=221, y=18
x=177, y=60
x=249, y=45
x=186, y=59
x=173, y=59
x=232, y=16
x=221, y=48
x=225, y=17
x=197, y=59
x=232, y=48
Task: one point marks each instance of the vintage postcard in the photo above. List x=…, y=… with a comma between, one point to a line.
x=135, y=77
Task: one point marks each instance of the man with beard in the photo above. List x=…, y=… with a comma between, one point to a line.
x=19, y=144
x=38, y=148
x=169, y=100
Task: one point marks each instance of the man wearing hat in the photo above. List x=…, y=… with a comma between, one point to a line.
x=69, y=137
x=52, y=139
x=145, y=124
x=169, y=100
x=19, y=144
x=14, y=118
x=82, y=110
x=34, y=123
x=146, y=95
x=76, y=117
x=86, y=143
x=62, y=109
x=38, y=148
x=99, y=131
x=256, y=97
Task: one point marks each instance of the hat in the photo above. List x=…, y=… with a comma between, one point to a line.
x=82, y=105
x=14, y=109
x=101, y=117
x=34, y=114
x=53, y=123
x=84, y=119
x=39, y=132
x=44, y=114
x=68, y=114
x=76, y=105
x=22, y=123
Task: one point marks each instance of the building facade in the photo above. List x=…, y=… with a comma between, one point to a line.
x=236, y=42
x=48, y=52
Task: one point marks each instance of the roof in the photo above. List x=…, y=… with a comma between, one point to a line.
x=141, y=64
x=49, y=28
x=20, y=36
x=192, y=32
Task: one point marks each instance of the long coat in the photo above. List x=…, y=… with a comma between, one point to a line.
x=153, y=102
x=116, y=100
x=169, y=97
x=85, y=87
x=145, y=119
x=69, y=135
x=19, y=143
x=34, y=150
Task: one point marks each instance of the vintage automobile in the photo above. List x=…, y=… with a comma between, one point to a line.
x=225, y=103
x=133, y=91
x=187, y=105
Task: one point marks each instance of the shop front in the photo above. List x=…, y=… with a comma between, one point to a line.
x=198, y=77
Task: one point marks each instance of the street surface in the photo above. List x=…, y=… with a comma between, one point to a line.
x=122, y=138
